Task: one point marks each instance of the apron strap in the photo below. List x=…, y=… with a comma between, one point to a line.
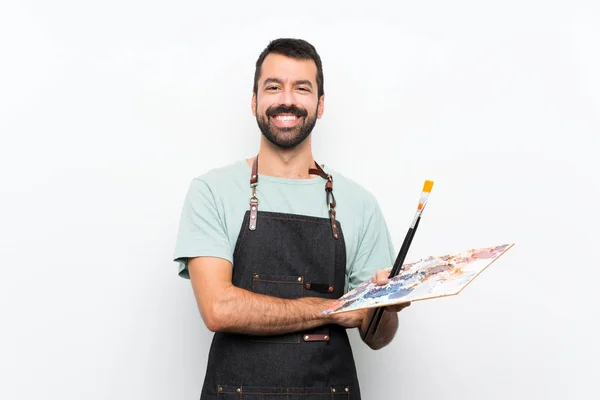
x=253, y=199
x=329, y=197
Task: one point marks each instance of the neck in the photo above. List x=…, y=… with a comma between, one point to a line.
x=284, y=163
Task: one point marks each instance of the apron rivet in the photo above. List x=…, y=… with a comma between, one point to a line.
x=253, y=217
x=347, y=390
x=220, y=389
x=332, y=390
x=305, y=337
x=299, y=279
x=238, y=390
x=254, y=207
x=326, y=337
x=256, y=276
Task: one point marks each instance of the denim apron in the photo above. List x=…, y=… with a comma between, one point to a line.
x=287, y=256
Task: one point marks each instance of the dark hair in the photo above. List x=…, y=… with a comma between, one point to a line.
x=294, y=48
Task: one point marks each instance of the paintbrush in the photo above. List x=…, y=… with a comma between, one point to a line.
x=376, y=318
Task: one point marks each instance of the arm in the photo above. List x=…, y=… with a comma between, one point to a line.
x=227, y=308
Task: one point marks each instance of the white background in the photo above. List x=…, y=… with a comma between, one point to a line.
x=108, y=110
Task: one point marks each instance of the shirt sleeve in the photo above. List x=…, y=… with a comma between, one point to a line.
x=201, y=229
x=375, y=250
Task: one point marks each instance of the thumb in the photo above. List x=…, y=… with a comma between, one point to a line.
x=381, y=277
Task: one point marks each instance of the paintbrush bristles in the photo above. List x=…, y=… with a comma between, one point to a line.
x=425, y=194
x=428, y=186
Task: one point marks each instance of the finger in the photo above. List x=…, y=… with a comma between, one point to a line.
x=381, y=277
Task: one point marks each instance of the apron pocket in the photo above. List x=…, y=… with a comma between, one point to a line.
x=227, y=392
x=282, y=286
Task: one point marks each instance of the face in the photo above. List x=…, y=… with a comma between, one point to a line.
x=286, y=105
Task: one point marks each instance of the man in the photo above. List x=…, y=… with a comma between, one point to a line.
x=270, y=242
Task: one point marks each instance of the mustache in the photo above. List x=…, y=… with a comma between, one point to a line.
x=298, y=112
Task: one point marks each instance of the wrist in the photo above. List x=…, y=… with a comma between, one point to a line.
x=316, y=305
x=324, y=304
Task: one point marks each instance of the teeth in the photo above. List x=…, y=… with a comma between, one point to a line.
x=285, y=117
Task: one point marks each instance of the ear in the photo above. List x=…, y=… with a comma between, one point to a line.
x=253, y=104
x=321, y=106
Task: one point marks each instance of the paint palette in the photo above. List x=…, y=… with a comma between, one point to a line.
x=428, y=278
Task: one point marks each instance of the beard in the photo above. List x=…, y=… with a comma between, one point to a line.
x=288, y=137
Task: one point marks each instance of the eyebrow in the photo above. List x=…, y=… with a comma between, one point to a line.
x=298, y=82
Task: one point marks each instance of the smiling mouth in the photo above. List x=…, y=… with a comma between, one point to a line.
x=285, y=120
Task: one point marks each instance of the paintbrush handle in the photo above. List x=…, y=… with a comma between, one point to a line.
x=376, y=318
x=399, y=259
x=404, y=249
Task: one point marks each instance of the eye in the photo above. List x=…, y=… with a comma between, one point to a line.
x=303, y=89
x=272, y=88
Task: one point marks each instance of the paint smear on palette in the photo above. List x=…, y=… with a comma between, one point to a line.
x=428, y=278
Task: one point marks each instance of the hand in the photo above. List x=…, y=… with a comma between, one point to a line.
x=381, y=278
x=349, y=319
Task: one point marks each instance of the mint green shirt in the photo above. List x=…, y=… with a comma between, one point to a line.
x=216, y=202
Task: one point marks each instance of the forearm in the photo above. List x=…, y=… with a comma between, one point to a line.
x=385, y=331
x=246, y=312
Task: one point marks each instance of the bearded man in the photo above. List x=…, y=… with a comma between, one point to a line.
x=271, y=241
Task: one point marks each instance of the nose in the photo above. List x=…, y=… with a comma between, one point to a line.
x=287, y=97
